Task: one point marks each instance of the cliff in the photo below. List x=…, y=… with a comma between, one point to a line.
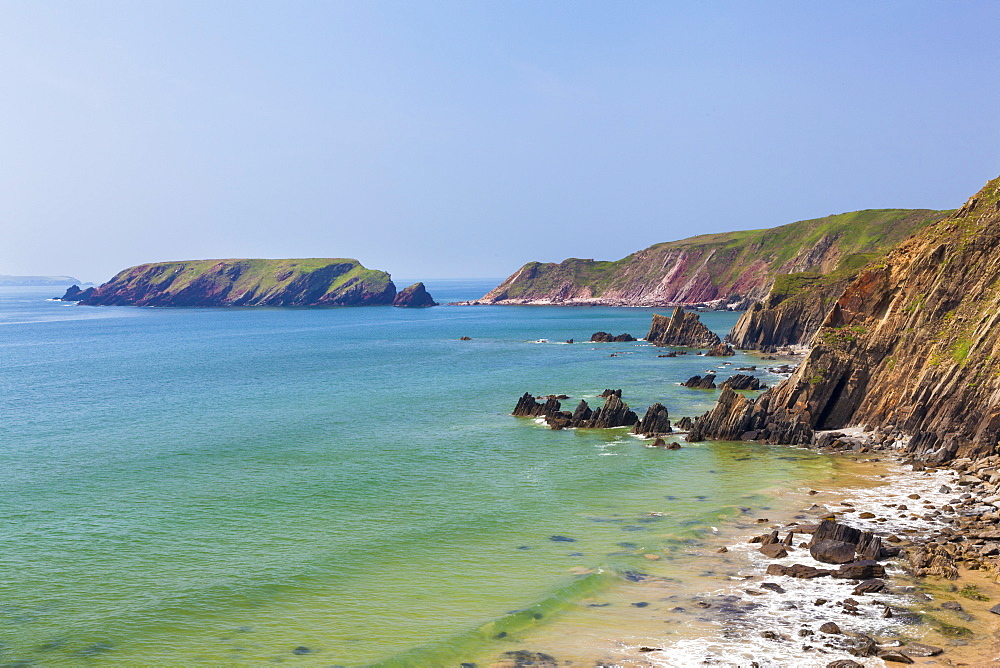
x=247, y=282
x=792, y=312
x=681, y=329
x=911, y=347
x=713, y=267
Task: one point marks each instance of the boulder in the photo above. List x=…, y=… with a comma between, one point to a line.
x=832, y=552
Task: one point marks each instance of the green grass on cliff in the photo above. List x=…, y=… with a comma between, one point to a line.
x=855, y=238
x=260, y=275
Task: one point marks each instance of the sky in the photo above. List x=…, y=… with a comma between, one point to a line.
x=465, y=138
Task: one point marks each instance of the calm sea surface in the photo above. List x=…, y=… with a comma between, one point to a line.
x=337, y=486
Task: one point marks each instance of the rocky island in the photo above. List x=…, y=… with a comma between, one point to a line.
x=251, y=282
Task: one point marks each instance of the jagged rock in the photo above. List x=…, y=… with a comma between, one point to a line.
x=860, y=570
x=742, y=381
x=681, y=329
x=832, y=551
x=614, y=413
x=830, y=628
x=701, y=383
x=415, y=296
x=607, y=393
x=685, y=423
x=673, y=445
x=465, y=338
x=655, y=422
x=797, y=571
x=75, y=294
x=607, y=337
x=528, y=407
x=720, y=350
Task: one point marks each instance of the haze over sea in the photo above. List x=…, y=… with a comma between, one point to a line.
x=342, y=486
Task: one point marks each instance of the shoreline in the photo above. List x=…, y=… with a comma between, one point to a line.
x=751, y=618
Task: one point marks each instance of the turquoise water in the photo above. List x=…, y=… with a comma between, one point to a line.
x=333, y=486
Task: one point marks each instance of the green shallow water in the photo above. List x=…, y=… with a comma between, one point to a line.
x=226, y=486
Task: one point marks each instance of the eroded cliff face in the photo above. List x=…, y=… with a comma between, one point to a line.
x=246, y=282
x=911, y=346
x=786, y=318
x=713, y=267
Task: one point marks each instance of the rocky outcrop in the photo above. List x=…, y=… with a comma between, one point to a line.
x=310, y=282
x=656, y=422
x=415, y=296
x=720, y=350
x=911, y=346
x=681, y=329
x=75, y=294
x=608, y=337
x=722, y=268
x=792, y=312
x=614, y=413
x=742, y=381
x=701, y=383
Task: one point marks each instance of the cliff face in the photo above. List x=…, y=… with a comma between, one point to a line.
x=714, y=266
x=247, y=282
x=911, y=346
x=792, y=312
x=681, y=329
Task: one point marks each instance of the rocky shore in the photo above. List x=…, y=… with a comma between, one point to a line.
x=917, y=586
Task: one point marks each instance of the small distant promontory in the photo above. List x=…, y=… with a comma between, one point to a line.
x=252, y=282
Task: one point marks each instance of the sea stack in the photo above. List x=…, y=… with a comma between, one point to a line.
x=415, y=296
x=681, y=329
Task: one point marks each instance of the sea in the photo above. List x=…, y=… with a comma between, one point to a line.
x=347, y=487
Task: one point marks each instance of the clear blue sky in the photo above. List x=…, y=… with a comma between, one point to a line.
x=446, y=139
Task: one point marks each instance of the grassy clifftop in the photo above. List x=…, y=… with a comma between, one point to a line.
x=247, y=282
x=716, y=266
